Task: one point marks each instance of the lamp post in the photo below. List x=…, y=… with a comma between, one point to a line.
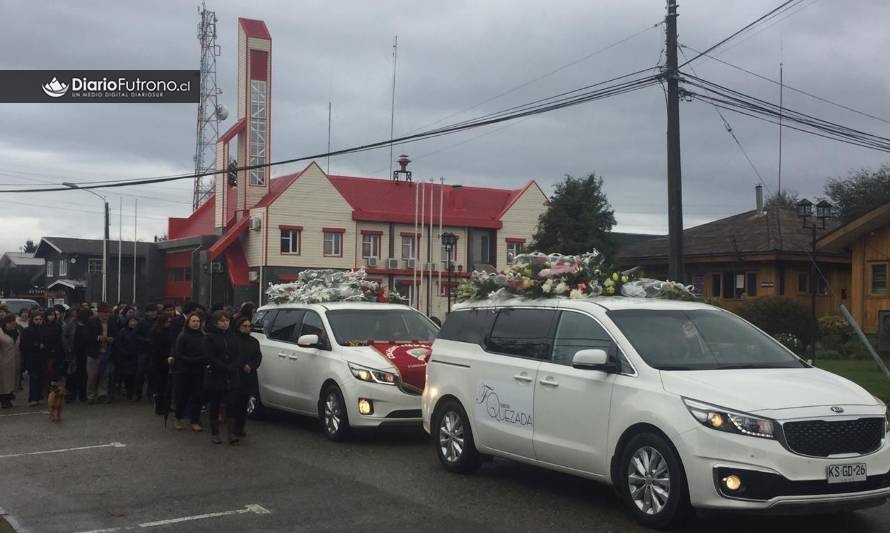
x=448, y=241
x=823, y=213
x=104, y=241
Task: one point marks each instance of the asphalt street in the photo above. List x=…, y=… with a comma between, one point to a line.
x=115, y=468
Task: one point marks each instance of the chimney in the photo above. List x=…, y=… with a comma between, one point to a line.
x=758, y=193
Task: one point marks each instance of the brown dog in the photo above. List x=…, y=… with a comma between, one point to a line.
x=55, y=401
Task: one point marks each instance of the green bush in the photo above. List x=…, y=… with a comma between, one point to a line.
x=777, y=314
x=823, y=354
x=835, y=325
x=833, y=343
x=790, y=341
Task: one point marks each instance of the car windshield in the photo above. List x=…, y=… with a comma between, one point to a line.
x=16, y=306
x=355, y=327
x=700, y=339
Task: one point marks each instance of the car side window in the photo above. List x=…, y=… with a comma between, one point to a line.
x=286, y=325
x=523, y=332
x=578, y=332
x=469, y=325
x=312, y=325
x=262, y=321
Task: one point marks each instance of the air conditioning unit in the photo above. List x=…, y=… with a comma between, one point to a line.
x=256, y=223
x=371, y=262
x=430, y=266
x=253, y=275
x=410, y=263
x=392, y=263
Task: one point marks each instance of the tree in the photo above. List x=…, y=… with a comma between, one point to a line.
x=577, y=220
x=782, y=199
x=29, y=247
x=861, y=191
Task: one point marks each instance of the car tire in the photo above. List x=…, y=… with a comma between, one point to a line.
x=652, y=483
x=453, y=438
x=332, y=413
x=255, y=408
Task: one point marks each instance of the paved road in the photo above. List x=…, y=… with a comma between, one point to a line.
x=298, y=482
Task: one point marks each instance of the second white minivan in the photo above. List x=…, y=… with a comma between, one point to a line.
x=678, y=405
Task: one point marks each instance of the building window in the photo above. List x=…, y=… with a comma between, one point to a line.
x=408, y=247
x=878, y=278
x=445, y=257
x=370, y=245
x=408, y=292
x=803, y=282
x=514, y=248
x=751, y=284
x=290, y=241
x=445, y=285
x=822, y=285
x=257, y=131
x=333, y=244
x=63, y=267
x=49, y=269
x=715, y=286
x=485, y=245
x=94, y=265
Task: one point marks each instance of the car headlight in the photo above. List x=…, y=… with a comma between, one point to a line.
x=723, y=419
x=372, y=375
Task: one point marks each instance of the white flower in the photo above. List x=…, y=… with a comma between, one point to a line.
x=561, y=288
x=576, y=294
x=547, y=286
x=595, y=288
x=608, y=283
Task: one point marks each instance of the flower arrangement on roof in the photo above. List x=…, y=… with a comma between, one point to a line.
x=537, y=275
x=320, y=286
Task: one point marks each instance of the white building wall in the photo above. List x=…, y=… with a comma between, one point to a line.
x=521, y=220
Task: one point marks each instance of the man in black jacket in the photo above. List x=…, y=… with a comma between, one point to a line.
x=97, y=345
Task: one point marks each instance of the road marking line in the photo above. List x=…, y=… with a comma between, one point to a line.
x=28, y=413
x=109, y=445
x=252, y=508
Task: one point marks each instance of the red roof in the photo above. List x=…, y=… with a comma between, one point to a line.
x=229, y=237
x=254, y=28
x=236, y=264
x=201, y=222
x=383, y=200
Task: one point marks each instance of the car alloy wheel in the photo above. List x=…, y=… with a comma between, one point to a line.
x=451, y=437
x=333, y=413
x=649, y=480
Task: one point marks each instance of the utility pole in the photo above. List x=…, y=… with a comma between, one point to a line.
x=674, y=185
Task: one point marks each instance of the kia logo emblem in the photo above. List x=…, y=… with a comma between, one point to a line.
x=836, y=409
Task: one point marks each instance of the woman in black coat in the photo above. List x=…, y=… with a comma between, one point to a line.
x=251, y=357
x=34, y=357
x=162, y=347
x=222, y=379
x=188, y=363
x=57, y=368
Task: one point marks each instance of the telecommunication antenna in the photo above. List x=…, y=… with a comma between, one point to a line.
x=210, y=112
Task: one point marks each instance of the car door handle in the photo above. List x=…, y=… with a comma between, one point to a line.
x=550, y=382
x=523, y=378
x=282, y=354
x=292, y=356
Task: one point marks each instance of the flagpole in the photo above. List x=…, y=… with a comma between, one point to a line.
x=120, y=238
x=135, y=226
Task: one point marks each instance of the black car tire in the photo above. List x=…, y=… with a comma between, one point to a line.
x=332, y=414
x=453, y=439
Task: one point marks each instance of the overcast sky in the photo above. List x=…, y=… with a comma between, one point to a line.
x=452, y=57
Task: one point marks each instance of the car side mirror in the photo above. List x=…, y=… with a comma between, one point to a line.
x=308, y=341
x=592, y=359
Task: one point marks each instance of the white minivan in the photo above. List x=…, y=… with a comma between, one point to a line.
x=678, y=405
x=352, y=365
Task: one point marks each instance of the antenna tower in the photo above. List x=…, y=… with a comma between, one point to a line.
x=210, y=113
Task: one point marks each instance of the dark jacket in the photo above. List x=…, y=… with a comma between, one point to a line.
x=162, y=345
x=69, y=334
x=127, y=349
x=90, y=339
x=55, y=346
x=189, y=352
x=223, y=360
x=177, y=326
x=250, y=355
x=33, y=348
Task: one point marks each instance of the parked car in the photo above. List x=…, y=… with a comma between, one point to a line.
x=679, y=405
x=352, y=365
x=15, y=305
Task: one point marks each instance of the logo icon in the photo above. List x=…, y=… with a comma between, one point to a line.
x=837, y=409
x=55, y=88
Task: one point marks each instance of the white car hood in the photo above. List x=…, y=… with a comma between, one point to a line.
x=754, y=390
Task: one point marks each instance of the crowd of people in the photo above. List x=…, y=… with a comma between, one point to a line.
x=183, y=358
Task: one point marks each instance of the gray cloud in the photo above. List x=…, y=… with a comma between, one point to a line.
x=452, y=55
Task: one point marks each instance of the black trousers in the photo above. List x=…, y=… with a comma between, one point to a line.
x=188, y=388
x=77, y=382
x=239, y=404
x=220, y=403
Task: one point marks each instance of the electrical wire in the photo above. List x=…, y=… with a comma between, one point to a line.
x=544, y=105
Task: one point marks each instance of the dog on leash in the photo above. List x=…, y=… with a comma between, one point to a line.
x=55, y=401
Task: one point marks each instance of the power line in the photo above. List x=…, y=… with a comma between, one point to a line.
x=782, y=7
x=544, y=105
x=790, y=88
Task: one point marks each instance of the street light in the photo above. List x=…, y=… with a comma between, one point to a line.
x=448, y=241
x=104, y=242
x=823, y=213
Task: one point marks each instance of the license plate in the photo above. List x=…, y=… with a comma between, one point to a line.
x=846, y=473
